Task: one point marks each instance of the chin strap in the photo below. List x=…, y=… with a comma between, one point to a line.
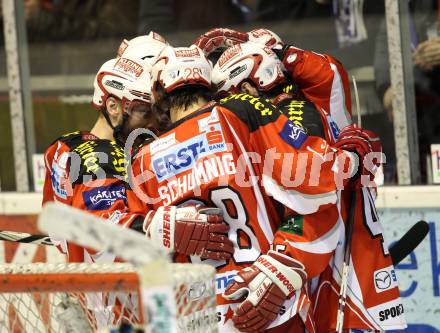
x=117, y=130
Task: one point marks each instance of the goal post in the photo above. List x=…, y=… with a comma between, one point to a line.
x=147, y=291
x=95, y=297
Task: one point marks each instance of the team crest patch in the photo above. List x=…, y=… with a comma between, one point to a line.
x=293, y=225
x=293, y=135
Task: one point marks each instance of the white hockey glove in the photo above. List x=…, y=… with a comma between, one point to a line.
x=190, y=230
x=266, y=284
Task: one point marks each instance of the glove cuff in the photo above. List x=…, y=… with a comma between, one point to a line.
x=288, y=277
x=162, y=226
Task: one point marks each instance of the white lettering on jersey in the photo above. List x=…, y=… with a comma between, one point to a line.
x=184, y=155
x=204, y=171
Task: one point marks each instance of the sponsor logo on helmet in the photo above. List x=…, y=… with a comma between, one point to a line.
x=229, y=54
x=122, y=47
x=114, y=84
x=129, y=66
x=158, y=37
x=140, y=94
x=236, y=71
x=260, y=32
x=220, y=84
x=187, y=53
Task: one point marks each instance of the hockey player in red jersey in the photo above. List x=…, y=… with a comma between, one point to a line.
x=87, y=170
x=321, y=79
x=255, y=69
x=244, y=156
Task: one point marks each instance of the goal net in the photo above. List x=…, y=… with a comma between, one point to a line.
x=96, y=297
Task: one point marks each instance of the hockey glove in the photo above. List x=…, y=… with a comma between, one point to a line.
x=362, y=142
x=222, y=38
x=266, y=284
x=190, y=230
x=219, y=38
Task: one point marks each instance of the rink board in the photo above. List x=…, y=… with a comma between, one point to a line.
x=399, y=208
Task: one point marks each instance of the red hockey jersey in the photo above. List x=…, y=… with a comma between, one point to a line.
x=88, y=173
x=324, y=82
x=245, y=157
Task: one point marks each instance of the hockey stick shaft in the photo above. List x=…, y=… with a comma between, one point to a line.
x=22, y=237
x=346, y=262
x=398, y=251
x=88, y=230
x=348, y=235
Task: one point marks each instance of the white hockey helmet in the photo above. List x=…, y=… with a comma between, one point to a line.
x=247, y=62
x=265, y=37
x=124, y=79
x=145, y=48
x=177, y=67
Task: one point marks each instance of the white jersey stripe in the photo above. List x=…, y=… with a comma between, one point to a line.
x=301, y=203
x=338, y=110
x=263, y=219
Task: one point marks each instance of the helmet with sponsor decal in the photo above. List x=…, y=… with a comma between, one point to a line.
x=247, y=62
x=125, y=79
x=178, y=67
x=145, y=48
x=265, y=37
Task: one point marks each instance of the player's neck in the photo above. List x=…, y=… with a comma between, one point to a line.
x=102, y=129
x=177, y=113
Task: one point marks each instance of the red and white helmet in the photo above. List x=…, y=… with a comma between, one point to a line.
x=177, y=67
x=265, y=37
x=125, y=79
x=247, y=62
x=145, y=48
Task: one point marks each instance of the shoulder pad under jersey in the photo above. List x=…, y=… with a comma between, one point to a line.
x=97, y=156
x=71, y=139
x=303, y=113
x=254, y=111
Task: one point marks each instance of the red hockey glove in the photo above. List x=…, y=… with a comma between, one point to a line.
x=223, y=38
x=190, y=230
x=266, y=284
x=219, y=38
x=362, y=142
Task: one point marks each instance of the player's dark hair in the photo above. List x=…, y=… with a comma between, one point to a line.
x=184, y=97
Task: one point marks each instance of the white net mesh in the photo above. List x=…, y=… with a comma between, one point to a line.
x=42, y=297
